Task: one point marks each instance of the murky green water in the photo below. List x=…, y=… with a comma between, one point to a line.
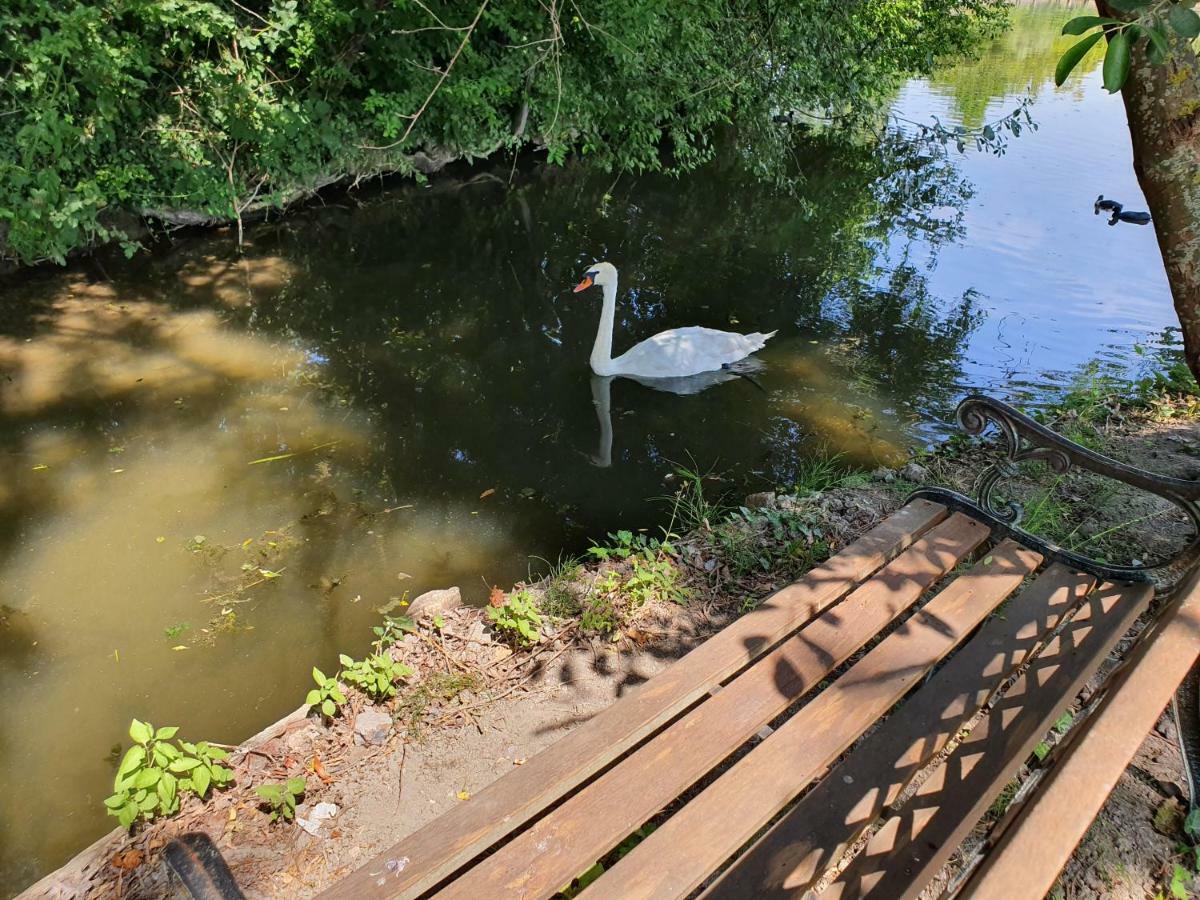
x=417, y=363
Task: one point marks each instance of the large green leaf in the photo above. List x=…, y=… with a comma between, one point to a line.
x=140, y=731
x=200, y=781
x=1185, y=21
x=1116, y=62
x=134, y=757
x=1080, y=24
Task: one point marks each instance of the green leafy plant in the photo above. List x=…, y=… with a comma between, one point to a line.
x=280, y=799
x=393, y=630
x=559, y=599
x=518, y=618
x=375, y=675
x=154, y=773
x=1154, y=21
x=173, y=631
x=761, y=540
x=327, y=696
x=599, y=614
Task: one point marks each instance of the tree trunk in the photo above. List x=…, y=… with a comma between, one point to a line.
x=1162, y=103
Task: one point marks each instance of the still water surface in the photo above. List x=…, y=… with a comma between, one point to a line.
x=333, y=407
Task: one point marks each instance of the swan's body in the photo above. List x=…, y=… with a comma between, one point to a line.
x=676, y=353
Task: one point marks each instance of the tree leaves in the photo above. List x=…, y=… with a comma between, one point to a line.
x=1070, y=59
x=1116, y=61
x=1080, y=24
x=1185, y=21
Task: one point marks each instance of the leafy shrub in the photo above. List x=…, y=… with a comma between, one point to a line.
x=110, y=105
x=280, y=799
x=375, y=675
x=517, y=619
x=327, y=695
x=154, y=773
x=393, y=630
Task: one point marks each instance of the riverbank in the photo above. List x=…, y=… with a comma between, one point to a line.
x=484, y=694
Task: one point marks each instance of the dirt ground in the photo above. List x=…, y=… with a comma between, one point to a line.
x=385, y=790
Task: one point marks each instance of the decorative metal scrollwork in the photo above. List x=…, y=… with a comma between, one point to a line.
x=1025, y=440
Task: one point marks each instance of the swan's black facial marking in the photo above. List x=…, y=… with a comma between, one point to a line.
x=593, y=274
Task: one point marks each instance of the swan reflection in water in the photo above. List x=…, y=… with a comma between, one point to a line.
x=681, y=385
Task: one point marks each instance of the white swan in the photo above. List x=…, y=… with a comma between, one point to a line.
x=676, y=353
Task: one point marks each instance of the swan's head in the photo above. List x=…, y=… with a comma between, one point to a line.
x=600, y=273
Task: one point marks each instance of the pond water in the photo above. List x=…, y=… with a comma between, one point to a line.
x=218, y=468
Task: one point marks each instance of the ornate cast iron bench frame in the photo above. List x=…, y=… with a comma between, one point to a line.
x=1026, y=440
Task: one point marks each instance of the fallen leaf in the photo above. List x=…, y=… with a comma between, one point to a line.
x=496, y=597
x=318, y=769
x=40, y=468
x=128, y=859
x=463, y=795
x=117, y=471
x=519, y=762
x=179, y=647
x=487, y=493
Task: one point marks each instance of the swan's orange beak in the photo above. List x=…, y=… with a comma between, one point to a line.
x=584, y=285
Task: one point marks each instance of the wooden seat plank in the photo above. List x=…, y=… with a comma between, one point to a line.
x=434, y=852
x=815, y=833
x=567, y=841
x=676, y=858
x=1024, y=863
x=911, y=846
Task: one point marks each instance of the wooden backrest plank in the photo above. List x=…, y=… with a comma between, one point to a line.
x=911, y=846
x=693, y=843
x=437, y=850
x=569, y=840
x=1024, y=863
x=815, y=833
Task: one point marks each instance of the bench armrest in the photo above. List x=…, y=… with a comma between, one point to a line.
x=1026, y=440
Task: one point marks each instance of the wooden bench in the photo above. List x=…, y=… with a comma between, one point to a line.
x=944, y=643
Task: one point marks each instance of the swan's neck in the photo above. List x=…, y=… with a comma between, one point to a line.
x=601, y=360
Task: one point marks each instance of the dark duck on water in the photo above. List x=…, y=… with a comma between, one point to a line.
x=1118, y=213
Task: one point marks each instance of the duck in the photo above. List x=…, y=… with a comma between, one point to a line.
x=675, y=353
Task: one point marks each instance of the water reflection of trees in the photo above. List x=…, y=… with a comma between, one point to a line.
x=447, y=311
x=1032, y=44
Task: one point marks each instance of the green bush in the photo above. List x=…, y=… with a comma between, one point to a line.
x=154, y=773
x=113, y=106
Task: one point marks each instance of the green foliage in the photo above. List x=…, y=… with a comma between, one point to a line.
x=280, y=799
x=819, y=472
x=517, y=619
x=559, y=599
x=1060, y=727
x=154, y=773
x=691, y=508
x=173, y=631
x=393, y=630
x=763, y=540
x=653, y=574
x=600, y=615
x=435, y=688
x=375, y=675
x=327, y=696
x=117, y=106
x=1156, y=22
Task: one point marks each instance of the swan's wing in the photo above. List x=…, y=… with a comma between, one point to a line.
x=688, y=351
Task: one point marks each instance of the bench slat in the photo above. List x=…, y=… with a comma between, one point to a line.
x=538, y=862
x=676, y=858
x=911, y=846
x=436, y=851
x=1024, y=863
x=817, y=831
